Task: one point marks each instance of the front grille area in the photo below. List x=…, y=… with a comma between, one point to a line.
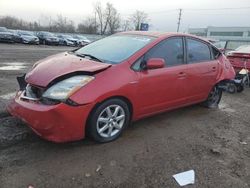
x=33, y=92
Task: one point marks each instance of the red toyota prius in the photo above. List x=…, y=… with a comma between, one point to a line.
x=100, y=88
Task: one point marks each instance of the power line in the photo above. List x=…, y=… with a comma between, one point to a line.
x=192, y=9
x=153, y=12
x=214, y=9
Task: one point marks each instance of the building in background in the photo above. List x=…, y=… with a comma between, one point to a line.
x=225, y=38
x=222, y=33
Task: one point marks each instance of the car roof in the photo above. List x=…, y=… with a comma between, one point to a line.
x=158, y=34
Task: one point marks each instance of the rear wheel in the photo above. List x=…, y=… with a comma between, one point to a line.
x=240, y=88
x=108, y=120
x=214, y=98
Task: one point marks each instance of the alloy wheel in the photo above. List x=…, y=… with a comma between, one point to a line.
x=110, y=121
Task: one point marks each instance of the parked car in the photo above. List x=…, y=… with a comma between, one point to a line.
x=67, y=40
x=103, y=86
x=230, y=45
x=16, y=37
x=81, y=40
x=27, y=37
x=5, y=35
x=240, y=58
x=47, y=38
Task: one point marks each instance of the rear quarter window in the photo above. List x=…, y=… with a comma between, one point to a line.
x=215, y=53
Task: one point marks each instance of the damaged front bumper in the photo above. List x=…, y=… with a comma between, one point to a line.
x=57, y=123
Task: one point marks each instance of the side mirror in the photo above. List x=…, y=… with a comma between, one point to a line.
x=155, y=63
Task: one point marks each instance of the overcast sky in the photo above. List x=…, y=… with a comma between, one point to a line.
x=163, y=14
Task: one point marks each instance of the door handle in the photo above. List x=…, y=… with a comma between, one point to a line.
x=182, y=75
x=213, y=68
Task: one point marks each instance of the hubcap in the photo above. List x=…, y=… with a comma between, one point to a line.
x=110, y=121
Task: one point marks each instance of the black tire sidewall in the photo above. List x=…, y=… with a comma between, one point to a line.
x=240, y=89
x=91, y=123
x=208, y=103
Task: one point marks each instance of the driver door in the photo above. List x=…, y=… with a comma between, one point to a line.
x=163, y=88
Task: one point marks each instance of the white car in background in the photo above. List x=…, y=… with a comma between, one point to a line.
x=82, y=40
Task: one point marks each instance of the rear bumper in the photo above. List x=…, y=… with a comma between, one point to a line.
x=57, y=123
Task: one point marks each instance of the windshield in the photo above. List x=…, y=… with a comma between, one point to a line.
x=48, y=34
x=68, y=36
x=25, y=33
x=81, y=37
x=116, y=48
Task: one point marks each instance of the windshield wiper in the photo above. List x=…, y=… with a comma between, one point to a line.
x=89, y=55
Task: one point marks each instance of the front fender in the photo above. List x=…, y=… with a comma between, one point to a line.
x=118, y=80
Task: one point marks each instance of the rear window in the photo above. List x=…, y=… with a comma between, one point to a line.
x=197, y=51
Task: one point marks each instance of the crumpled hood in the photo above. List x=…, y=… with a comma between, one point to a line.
x=50, y=68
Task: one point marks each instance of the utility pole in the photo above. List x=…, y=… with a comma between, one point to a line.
x=179, y=20
x=95, y=24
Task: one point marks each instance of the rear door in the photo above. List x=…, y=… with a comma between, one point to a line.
x=163, y=88
x=202, y=69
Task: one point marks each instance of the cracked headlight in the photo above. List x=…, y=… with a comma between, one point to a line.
x=65, y=88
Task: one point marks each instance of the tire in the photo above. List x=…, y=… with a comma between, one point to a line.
x=240, y=89
x=104, y=125
x=214, y=98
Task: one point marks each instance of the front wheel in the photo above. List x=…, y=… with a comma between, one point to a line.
x=108, y=120
x=214, y=98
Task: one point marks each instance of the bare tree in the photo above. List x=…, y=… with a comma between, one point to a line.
x=13, y=23
x=137, y=18
x=99, y=11
x=62, y=24
x=108, y=18
x=126, y=25
x=113, y=18
x=88, y=26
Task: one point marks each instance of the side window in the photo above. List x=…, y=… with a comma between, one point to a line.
x=171, y=50
x=137, y=65
x=197, y=51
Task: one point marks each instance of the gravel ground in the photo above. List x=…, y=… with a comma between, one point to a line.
x=213, y=142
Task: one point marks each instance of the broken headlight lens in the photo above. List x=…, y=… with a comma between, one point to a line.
x=65, y=88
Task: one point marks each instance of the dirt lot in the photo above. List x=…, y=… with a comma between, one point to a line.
x=213, y=142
